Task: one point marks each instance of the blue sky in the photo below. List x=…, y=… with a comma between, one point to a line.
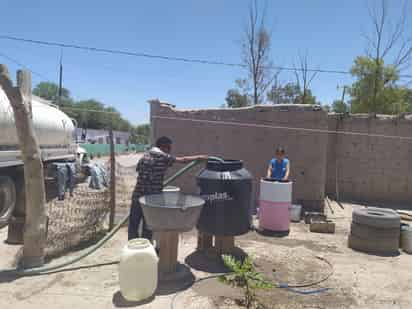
x=329, y=31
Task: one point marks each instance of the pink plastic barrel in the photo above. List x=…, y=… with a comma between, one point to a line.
x=274, y=204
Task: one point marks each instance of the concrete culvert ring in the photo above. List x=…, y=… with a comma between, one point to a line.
x=377, y=217
x=7, y=199
x=380, y=246
x=374, y=233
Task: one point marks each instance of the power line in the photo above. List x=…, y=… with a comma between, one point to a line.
x=163, y=57
x=87, y=110
x=23, y=66
x=256, y=125
x=120, y=52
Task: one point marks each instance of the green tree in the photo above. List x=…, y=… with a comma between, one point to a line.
x=290, y=93
x=326, y=107
x=308, y=98
x=90, y=113
x=113, y=118
x=235, y=99
x=140, y=134
x=388, y=54
x=409, y=96
x=286, y=94
x=338, y=106
x=377, y=94
x=50, y=91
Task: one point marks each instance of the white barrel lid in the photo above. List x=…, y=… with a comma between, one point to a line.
x=280, y=192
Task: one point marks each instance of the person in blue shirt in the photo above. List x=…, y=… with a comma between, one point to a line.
x=279, y=167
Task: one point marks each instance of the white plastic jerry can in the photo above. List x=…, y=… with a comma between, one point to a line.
x=138, y=270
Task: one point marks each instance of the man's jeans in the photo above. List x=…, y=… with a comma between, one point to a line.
x=136, y=217
x=65, y=173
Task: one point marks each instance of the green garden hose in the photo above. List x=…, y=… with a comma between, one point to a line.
x=49, y=268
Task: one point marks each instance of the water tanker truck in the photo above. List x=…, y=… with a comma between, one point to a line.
x=55, y=134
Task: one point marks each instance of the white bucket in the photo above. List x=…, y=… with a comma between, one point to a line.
x=294, y=213
x=406, y=239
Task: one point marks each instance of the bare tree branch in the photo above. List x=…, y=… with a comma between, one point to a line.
x=397, y=33
x=404, y=56
x=386, y=41
x=271, y=81
x=255, y=52
x=303, y=77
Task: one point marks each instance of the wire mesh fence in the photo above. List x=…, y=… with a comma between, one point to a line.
x=83, y=217
x=125, y=182
x=77, y=219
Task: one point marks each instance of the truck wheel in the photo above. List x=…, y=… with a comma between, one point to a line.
x=374, y=233
x=377, y=217
x=7, y=199
x=382, y=246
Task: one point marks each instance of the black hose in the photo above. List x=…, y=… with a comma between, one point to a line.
x=289, y=287
x=308, y=284
x=172, y=303
x=49, y=268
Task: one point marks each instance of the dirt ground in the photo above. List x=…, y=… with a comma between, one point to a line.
x=359, y=280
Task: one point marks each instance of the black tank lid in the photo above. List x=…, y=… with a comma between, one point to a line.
x=224, y=165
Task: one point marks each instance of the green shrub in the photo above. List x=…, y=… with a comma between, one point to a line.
x=244, y=276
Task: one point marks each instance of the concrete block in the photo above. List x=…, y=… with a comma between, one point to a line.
x=313, y=215
x=322, y=226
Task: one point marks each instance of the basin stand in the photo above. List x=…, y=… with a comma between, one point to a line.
x=222, y=245
x=168, y=245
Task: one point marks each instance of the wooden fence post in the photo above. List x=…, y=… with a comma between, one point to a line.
x=112, y=180
x=35, y=226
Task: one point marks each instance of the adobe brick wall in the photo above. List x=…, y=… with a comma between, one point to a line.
x=254, y=145
x=371, y=169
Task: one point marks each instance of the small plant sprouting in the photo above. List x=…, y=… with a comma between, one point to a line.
x=244, y=276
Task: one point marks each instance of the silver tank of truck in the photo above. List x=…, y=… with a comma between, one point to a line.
x=54, y=131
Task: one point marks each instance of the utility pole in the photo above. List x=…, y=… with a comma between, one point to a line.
x=112, y=178
x=343, y=96
x=60, y=79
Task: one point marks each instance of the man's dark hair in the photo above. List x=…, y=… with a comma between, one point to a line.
x=163, y=141
x=280, y=150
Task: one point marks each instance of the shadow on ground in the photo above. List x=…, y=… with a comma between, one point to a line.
x=201, y=261
x=120, y=302
x=182, y=280
x=176, y=282
x=380, y=254
x=276, y=234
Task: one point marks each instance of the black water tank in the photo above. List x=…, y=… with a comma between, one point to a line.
x=227, y=188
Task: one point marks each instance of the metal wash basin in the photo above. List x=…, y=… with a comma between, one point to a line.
x=171, y=211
